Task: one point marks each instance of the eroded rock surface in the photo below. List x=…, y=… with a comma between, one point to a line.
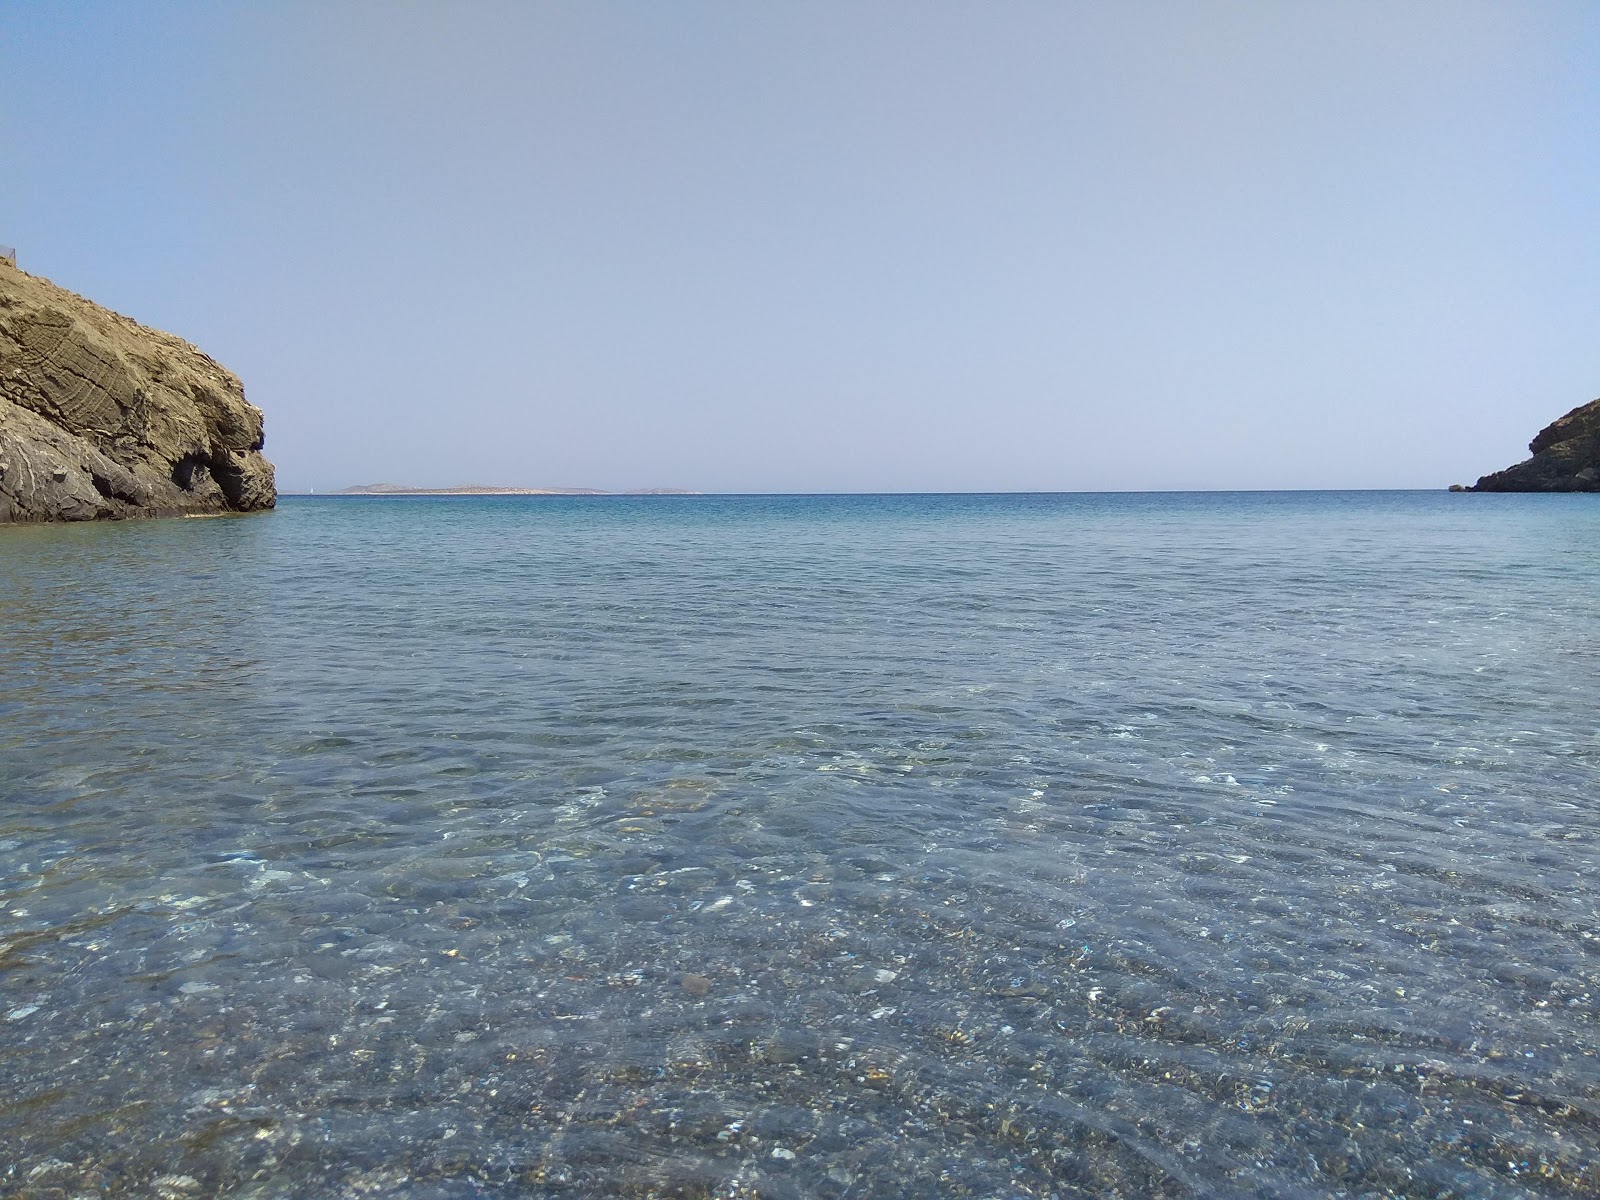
x=103, y=417
x=1566, y=458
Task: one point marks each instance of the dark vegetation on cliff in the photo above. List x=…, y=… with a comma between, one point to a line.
x=103, y=417
x=1566, y=458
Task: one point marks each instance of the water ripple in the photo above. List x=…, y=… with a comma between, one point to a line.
x=1234, y=846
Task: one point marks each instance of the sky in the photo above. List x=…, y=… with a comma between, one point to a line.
x=816, y=246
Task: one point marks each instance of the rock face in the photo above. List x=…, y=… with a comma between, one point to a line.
x=1566, y=458
x=102, y=417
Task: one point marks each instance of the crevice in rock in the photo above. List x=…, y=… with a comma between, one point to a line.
x=229, y=477
x=112, y=488
x=190, y=471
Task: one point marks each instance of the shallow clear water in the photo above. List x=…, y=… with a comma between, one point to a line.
x=1222, y=845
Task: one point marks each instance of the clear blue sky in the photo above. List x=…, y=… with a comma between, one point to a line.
x=825, y=246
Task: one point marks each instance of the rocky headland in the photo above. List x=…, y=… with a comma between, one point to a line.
x=1566, y=458
x=101, y=417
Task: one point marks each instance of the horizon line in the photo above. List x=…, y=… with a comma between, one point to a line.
x=689, y=494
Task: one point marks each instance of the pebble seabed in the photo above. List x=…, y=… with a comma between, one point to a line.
x=886, y=881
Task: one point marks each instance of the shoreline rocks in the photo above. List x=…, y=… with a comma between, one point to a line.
x=1566, y=458
x=104, y=418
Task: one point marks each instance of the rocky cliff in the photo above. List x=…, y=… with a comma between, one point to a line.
x=103, y=417
x=1566, y=458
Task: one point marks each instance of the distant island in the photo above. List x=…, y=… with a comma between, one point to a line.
x=481, y=489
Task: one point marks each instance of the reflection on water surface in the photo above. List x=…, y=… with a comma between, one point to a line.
x=1029, y=846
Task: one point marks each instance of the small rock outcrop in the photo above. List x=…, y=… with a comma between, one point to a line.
x=1566, y=458
x=101, y=417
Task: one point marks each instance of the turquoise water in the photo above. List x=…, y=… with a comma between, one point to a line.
x=1166, y=845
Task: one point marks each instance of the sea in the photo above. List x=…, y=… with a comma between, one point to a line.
x=993, y=846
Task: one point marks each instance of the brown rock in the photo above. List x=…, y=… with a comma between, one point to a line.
x=103, y=417
x=1566, y=458
x=695, y=985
